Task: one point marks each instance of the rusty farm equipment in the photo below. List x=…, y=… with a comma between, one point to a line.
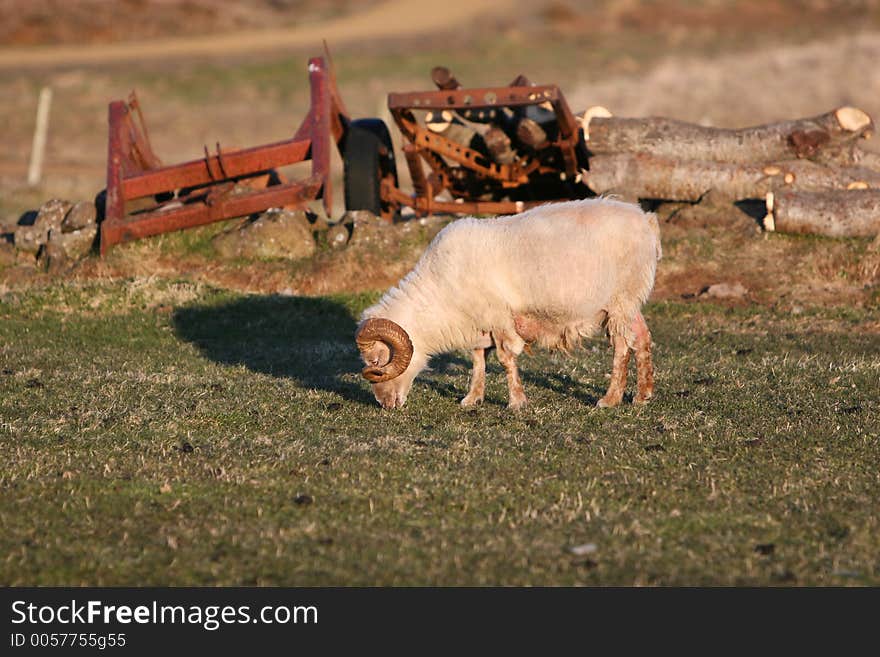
x=488, y=150
x=222, y=185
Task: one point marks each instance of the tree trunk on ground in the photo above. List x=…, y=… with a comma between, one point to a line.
x=850, y=154
x=837, y=213
x=647, y=176
x=867, y=159
x=801, y=138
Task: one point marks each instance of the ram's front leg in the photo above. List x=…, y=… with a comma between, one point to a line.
x=477, y=390
x=508, y=349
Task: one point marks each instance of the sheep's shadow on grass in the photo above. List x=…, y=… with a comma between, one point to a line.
x=309, y=340
x=448, y=365
x=563, y=386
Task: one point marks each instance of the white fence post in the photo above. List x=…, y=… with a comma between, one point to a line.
x=35, y=171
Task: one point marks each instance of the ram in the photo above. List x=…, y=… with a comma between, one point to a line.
x=549, y=276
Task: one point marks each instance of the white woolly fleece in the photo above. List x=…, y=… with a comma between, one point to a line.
x=575, y=266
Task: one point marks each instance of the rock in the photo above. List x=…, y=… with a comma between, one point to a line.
x=82, y=214
x=51, y=214
x=53, y=259
x=337, y=236
x=29, y=239
x=25, y=258
x=354, y=217
x=725, y=291
x=74, y=245
x=32, y=233
x=367, y=229
x=62, y=250
x=274, y=234
x=7, y=253
x=228, y=243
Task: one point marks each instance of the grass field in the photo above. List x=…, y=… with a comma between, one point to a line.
x=168, y=417
x=165, y=432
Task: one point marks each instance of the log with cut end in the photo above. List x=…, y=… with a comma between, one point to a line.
x=834, y=213
x=647, y=176
x=800, y=138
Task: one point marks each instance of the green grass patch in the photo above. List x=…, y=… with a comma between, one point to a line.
x=230, y=440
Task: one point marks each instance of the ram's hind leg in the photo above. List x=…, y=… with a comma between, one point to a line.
x=644, y=361
x=618, y=373
x=478, y=380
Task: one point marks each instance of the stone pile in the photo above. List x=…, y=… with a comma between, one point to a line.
x=59, y=233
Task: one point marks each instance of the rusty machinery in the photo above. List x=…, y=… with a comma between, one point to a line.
x=513, y=147
x=492, y=150
x=222, y=185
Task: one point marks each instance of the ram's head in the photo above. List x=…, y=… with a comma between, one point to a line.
x=387, y=352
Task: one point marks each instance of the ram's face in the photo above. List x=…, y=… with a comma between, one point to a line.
x=378, y=355
x=393, y=393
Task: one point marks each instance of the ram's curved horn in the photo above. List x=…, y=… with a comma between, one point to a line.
x=384, y=330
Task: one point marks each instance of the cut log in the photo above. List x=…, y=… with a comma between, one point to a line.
x=833, y=213
x=801, y=138
x=531, y=134
x=646, y=176
x=444, y=79
x=499, y=145
x=849, y=155
x=867, y=159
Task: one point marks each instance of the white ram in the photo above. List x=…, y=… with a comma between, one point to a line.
x=548, y=276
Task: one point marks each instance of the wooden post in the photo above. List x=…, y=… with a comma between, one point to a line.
x=38, y=149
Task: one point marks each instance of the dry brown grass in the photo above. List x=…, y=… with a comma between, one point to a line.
x=741, y=79
x=40, y=22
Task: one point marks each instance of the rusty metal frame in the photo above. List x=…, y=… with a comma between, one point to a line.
x=435, y=149
x=195, y=188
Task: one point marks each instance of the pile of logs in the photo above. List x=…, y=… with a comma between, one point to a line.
x=813, y=174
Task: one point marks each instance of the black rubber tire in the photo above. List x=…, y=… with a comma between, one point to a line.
x=368, y=156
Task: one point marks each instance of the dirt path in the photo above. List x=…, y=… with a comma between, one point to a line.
x=394, y=18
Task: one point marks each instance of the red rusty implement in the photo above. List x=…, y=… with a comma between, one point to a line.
x=494, y=150
x=200, y=191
